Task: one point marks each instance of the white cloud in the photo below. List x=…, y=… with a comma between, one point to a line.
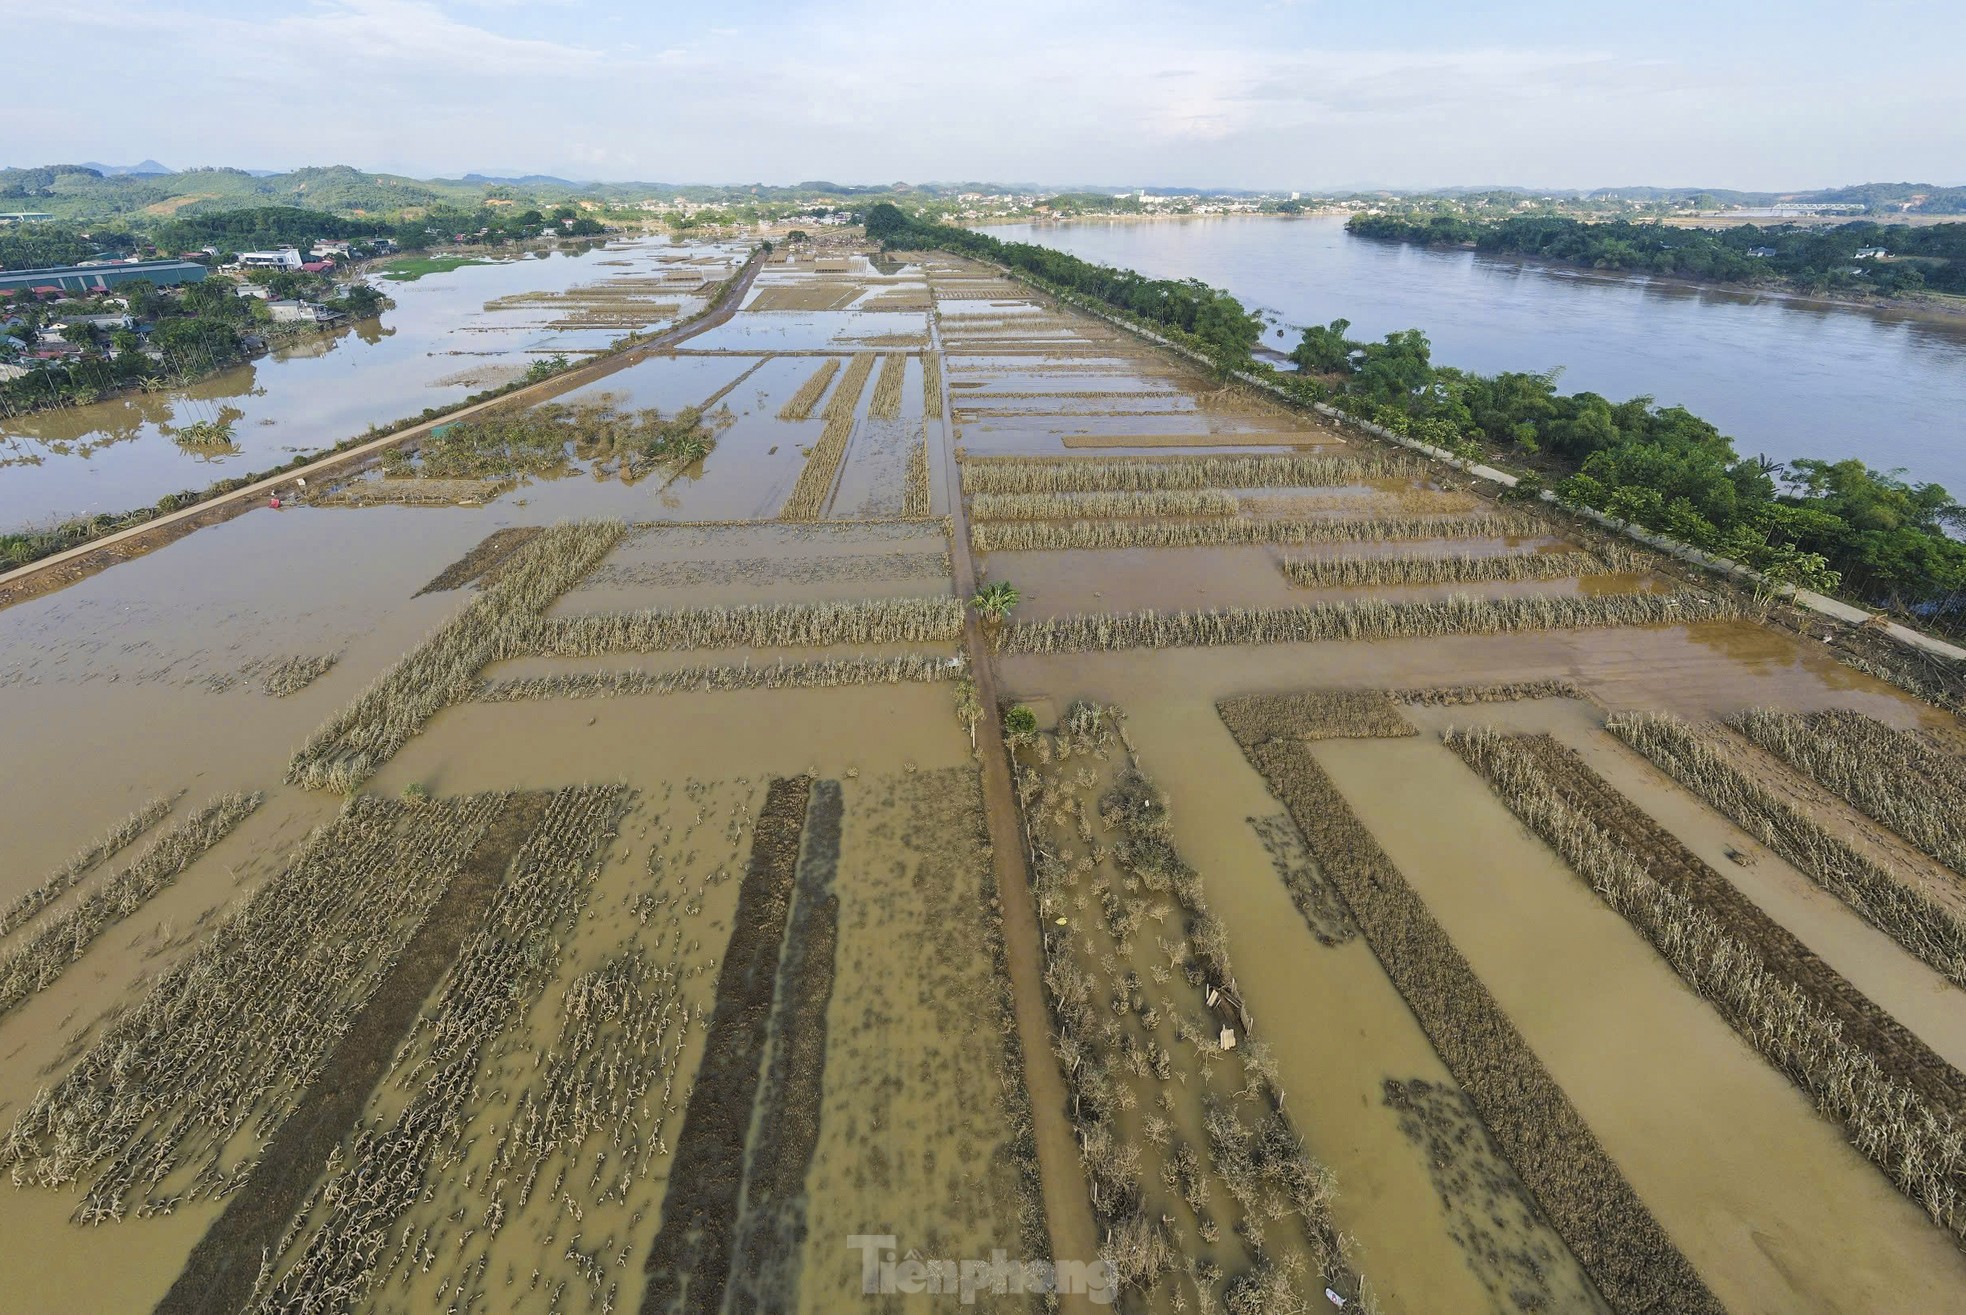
x=1037, y=90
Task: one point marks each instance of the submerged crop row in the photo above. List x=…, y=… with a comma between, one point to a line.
x=1576, y=1183
x=815, y=483
x=67, y=936
x=376, y=1174
x=799, y=406
x=1899, y=778
x=1925, y=927
x=63, y=879
x=1015, y=474
x=1899, y=1102
x=887, y=388
x=1034, y=536
x=221, y=1047
x=444, y=667
x=1048, y=506
x=932, y=385
x=822, y=673
x=1456, y=568
x=748, y=625
x=1364, y=618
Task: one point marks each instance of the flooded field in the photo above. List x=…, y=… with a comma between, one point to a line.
x=448, y=336
x=598, y=859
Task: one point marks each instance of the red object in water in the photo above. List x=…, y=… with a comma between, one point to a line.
x=275, y=502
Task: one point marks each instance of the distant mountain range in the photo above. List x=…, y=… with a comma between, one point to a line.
x=96, y=192
x=148, y=169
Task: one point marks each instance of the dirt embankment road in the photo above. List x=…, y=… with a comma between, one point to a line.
x=65, y=568
x=1067, y=1204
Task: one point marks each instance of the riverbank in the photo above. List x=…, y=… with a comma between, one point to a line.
x=1935, y=306
x=1784, y=376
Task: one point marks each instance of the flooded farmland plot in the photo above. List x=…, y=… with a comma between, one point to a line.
x=599, y=859
x=449, y=335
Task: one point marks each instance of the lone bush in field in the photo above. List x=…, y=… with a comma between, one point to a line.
x=995, y=601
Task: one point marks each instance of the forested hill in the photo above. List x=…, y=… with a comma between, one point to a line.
x=1814, y=259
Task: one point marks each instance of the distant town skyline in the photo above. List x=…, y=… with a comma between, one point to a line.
x=1288, y=94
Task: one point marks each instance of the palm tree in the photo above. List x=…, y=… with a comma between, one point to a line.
x=994, y=602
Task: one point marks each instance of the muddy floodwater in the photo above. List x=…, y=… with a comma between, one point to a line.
x=449, y=335
x=615, y=869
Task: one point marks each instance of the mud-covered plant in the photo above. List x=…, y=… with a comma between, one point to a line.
x=1364, y=618
x=969, y=707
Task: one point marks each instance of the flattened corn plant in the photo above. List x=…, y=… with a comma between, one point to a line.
x=931, y=385
x=915, y=502
x=1918, y=1141
x=1013, y=474
x=444, y=667
x=1046, y=506
x=815, y=484
x=887, y=388
x=1114, y=1010
x=1457, y=568
x=344, y=1246
x=67, y=936
x=1032, y=536
x=800, y=405
x=750, y=625
x=63, y=879
x=1364, y=618
x=1900, y=778
x=294, y=674
x=823, y=673
x=1926, y=928
x=225, y=1043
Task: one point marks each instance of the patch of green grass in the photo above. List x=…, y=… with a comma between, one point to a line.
x=408, y=269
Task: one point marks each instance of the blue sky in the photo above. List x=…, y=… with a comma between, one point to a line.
x=1265, y=93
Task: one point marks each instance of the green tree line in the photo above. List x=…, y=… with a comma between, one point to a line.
x=1191, y=311
x=1884, y=539
x=1814, y=259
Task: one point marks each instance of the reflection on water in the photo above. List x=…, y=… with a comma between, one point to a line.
x=437, y=346
x=1784, y=376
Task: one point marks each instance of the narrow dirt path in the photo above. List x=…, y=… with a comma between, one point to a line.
x=66, y=567
x=1067, y=1204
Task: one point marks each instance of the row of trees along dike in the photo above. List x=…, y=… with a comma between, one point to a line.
x=1834, y=526
x=1881, y=259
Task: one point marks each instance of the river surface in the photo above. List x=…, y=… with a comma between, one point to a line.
x=1782, y=376
x=448, y=336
